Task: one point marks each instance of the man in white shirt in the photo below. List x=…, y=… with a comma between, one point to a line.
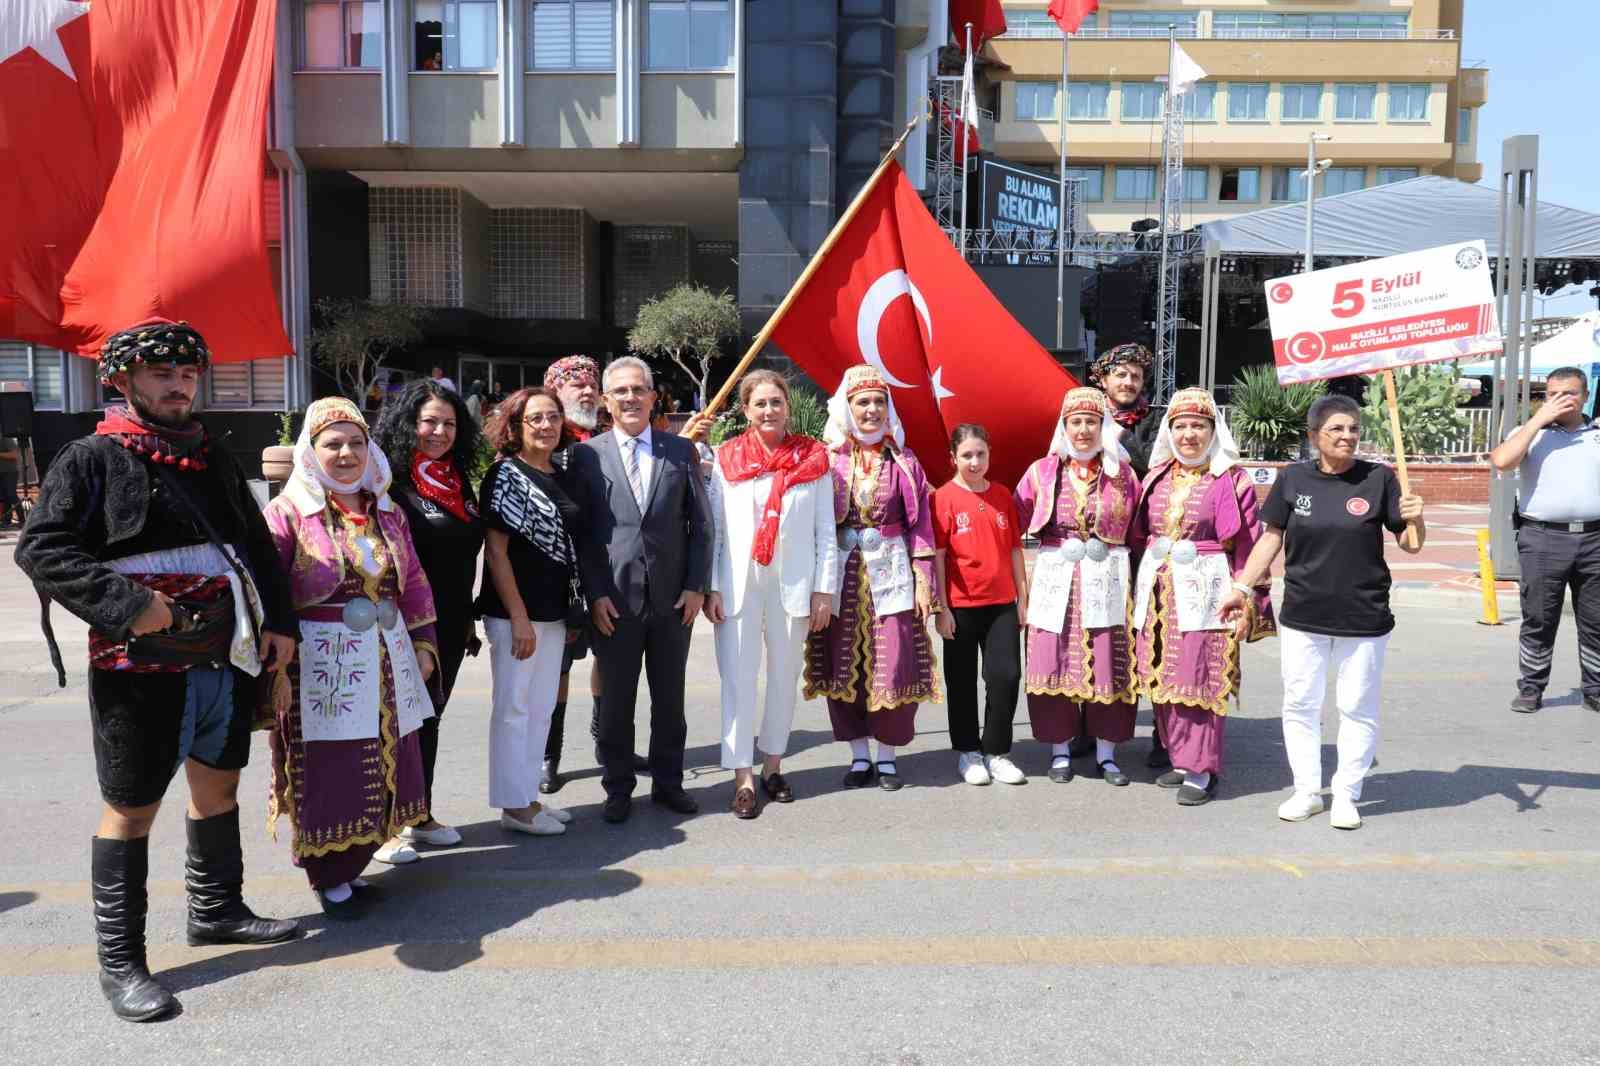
x=1557, y=456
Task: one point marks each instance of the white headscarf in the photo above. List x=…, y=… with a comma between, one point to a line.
x=1086, y=400
x=1221, y=454
x=841, y=424
x=309, y=484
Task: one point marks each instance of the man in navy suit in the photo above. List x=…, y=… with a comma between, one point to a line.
x=646, y=563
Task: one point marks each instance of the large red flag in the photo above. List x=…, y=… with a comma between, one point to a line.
x=132, y=142
x=893, y=292
x=1069, y=14
x=988, y=20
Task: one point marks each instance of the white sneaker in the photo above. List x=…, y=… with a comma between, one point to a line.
x=441, y=836
x=970, y=767
x=396, y=852
x=542, y=825
x=560, y=814
x=1344, y=814
x=1003, y=770
x=1300, y=806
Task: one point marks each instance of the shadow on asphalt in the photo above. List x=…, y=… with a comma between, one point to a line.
x=10, y=901
x=1425, y=790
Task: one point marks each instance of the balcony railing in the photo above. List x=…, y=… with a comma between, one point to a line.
x=1049, y=31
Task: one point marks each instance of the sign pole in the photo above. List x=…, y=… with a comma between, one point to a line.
x=1409, y=537
x=1061, y=202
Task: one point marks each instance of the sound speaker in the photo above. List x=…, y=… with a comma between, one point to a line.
x=16, y=414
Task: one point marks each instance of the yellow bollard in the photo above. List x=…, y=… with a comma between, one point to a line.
x=1491, y=602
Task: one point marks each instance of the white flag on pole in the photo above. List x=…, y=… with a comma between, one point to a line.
x=969, y=103
x=1185, y=71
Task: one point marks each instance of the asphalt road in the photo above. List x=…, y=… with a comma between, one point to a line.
x=941, y=924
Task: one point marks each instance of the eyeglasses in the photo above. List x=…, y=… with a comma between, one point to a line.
x=629, y=391
x=547, y=419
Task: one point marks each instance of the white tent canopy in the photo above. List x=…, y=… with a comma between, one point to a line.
x=1405, y=216
x=1578, y=345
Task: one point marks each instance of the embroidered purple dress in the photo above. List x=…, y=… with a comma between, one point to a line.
x=875, y=670
x=1189, y=677
x=1079, y=682
x=345, y=798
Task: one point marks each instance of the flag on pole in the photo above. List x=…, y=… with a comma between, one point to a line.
x=135, y=141
x=988, y=20
x=1069, y=14
x=1185, y=71
x=969, y=113
x=893, y=292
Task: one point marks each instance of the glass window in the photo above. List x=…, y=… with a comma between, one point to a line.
x=1091, y=183
x=689, y=35
x=1302, y=102
x=1032, y=24
x=1088, y=99
x=1200, y=102
x=455, y=34
x=1288, y=184
x=1343, y=179
x=1408, y=103
x=1036, y=100
x=40, y=368
x=1390, y=175
x=1464, y=126
x=1141, y=101
x=1247, y=102
x=1196, y=184
x=570, y=35
x=1261, y=24
x=342, y=36
x=1240, y=185
x=1135, y=183
x=1355, y=103
x=1154, y=23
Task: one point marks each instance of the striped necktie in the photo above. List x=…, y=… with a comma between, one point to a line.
x=635, y=482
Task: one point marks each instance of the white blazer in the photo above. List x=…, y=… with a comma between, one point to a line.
x=807, y=554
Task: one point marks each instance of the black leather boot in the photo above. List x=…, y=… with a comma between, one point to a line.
x=118, y=869
x=214, y=876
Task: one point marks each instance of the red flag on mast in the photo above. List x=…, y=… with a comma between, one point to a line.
x=135, y=135
x=988, y=20
x=1069, y=14
x=894, y=293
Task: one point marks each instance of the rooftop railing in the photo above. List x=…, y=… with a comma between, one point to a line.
x=1049, y=31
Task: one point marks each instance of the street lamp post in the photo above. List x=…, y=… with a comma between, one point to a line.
x=1314, y=167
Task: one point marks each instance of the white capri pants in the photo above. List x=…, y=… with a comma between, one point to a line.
x=524, y=699
x=761, y=620
x=1358, y=676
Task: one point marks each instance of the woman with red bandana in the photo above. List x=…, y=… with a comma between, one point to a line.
x=772, y=578
x=432, y=425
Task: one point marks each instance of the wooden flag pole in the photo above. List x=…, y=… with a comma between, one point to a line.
x=1410, y=535
x=711, y=409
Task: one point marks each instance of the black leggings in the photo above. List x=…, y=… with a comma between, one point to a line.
x=992, y=628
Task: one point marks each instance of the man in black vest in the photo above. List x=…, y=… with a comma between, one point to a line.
x=149, y=533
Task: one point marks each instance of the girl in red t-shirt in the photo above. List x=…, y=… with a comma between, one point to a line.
x=978, y=561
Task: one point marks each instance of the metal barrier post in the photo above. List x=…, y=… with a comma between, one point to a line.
x=1491, y=599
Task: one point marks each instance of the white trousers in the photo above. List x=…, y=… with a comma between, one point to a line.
x=761, y=620
x=524, y=699
x=1358, y=676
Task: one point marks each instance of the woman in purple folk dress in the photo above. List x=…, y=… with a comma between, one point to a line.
x=874, y=661
x=346, y=757
x=1079, y=500
x=1194, y=530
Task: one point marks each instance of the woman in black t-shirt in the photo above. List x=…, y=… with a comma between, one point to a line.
x=532, y=526
x=1328, y=517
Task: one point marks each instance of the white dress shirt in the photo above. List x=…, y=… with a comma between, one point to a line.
x=647, y=459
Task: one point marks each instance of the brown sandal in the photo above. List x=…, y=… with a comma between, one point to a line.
x=744, y=803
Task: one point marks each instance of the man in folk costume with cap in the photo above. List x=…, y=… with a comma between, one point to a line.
x=1079, y=500
x=575, y=379
x=1122, y=373
x=149, y=533
x=1194, y=530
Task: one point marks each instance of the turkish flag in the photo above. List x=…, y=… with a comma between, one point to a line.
x=134, y=138
x=1069, y=14
x=988, y=20
x=893, y=292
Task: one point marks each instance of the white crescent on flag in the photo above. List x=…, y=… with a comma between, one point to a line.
x=883, y=292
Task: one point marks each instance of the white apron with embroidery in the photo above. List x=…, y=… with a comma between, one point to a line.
x=340, y=682
x=894, y=588
x=1102, y=588
x=1199, y=587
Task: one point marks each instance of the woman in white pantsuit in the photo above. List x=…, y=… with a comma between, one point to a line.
x=773, y=577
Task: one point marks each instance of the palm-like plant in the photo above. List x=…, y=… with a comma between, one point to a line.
x=1267, y=417
x=808, y=414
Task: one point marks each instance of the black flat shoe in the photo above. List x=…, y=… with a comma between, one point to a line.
x=617, y=809
x=859, y=778
x=1111, y=777
x=1189, y=796
x=352, y=909
x=676, y=800
x=776, y=786
x=889, y=780
x=1171, y=779
x=1061, y=772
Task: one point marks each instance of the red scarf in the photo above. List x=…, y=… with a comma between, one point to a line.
x=184, y=448
x=799, y=460
x=1128, y=417
x=439, y=480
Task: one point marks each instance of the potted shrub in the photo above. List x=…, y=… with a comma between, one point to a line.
x=277, y=460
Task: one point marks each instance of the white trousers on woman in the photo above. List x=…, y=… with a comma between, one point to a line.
x=1358, y=676
x=761, y=620
x=524, y=698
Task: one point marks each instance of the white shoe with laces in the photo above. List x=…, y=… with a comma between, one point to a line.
x=396, y=852
x=1344, y=814
x=970, y=767
x=1003, y=770
x=1300, y=806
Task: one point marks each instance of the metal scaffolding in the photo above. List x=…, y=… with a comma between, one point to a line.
x=946, y=181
